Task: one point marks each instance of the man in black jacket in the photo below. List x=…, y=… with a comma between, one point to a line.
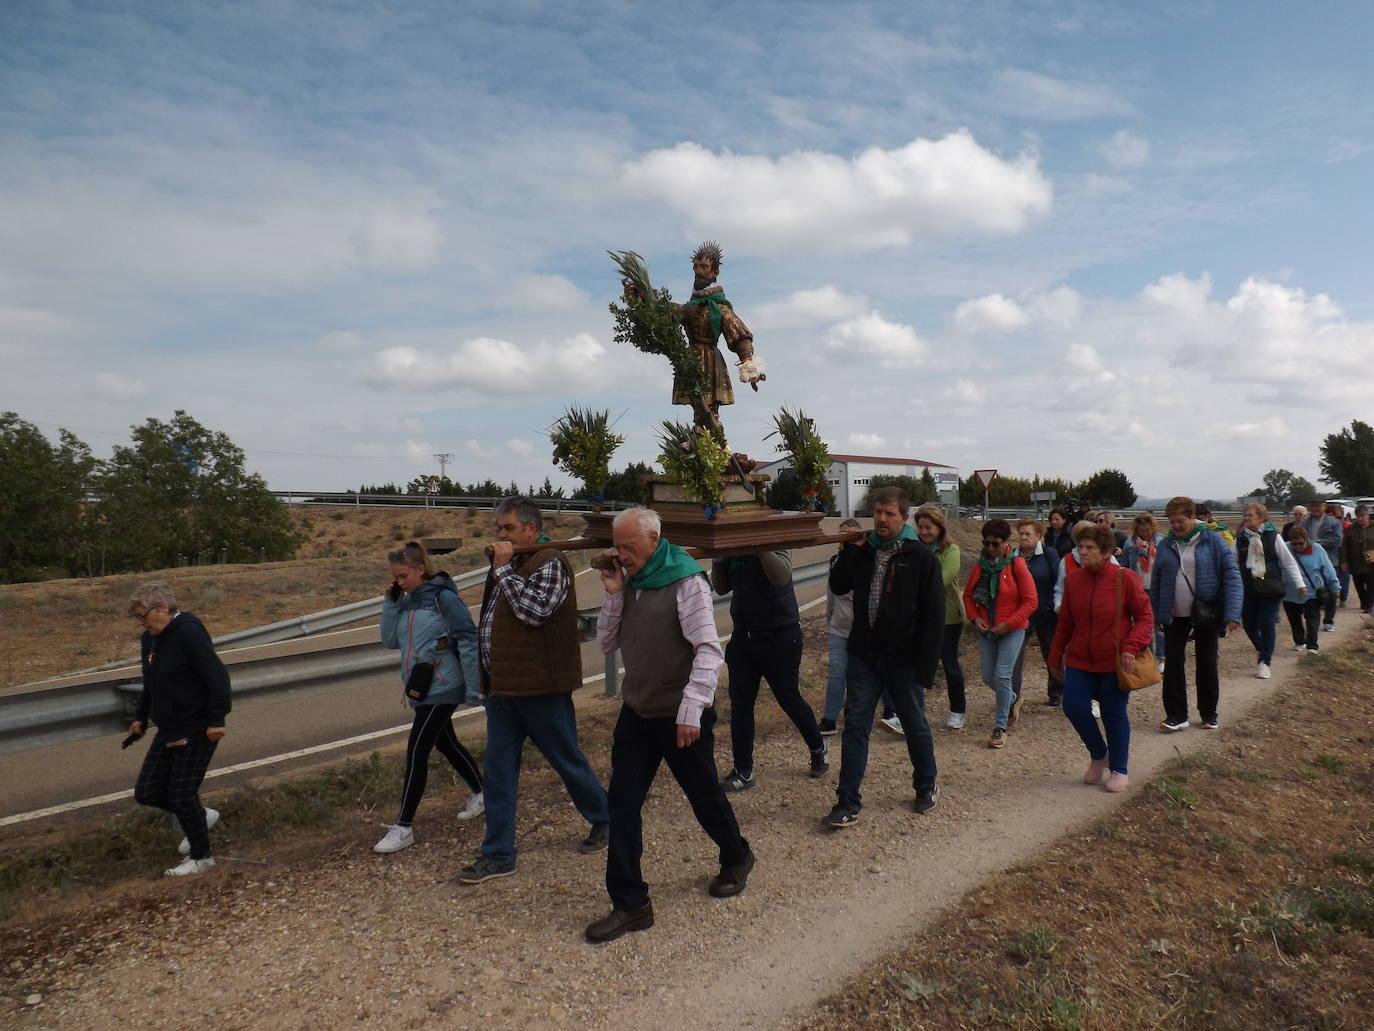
x=894, y=643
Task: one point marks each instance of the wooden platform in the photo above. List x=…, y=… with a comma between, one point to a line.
x=748, y=531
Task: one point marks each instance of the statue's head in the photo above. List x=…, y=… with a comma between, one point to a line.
x=706, y=263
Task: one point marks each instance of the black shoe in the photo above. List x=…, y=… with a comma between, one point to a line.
x=925, y=801
x=596, y=840
x=485, y=869
x=1052, y=700
x=842, y=816
x=735, y=781
x=828, y=728
x=618, y=921
x=820, y=761
x=731, y=879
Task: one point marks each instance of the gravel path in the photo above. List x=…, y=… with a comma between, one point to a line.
x=325, y=933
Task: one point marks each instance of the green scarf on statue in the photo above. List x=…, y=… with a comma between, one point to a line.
x=667, y=565
x=713, y=301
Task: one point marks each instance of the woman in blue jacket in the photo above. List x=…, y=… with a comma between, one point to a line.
x=1138, y=555
x=423, y=617
x=1303, y=602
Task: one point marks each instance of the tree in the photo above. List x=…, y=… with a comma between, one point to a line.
x=548, y=490
x=918, y=491
x=1283, y=488
x=41, y=492
x=181, y=490
x=1348, y=459
x=1108, y=487
x=625, y=485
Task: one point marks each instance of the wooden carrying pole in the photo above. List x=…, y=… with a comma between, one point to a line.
x=588, y=543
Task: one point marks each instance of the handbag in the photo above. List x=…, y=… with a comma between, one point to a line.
x=1146, y=670
x=1205, y=614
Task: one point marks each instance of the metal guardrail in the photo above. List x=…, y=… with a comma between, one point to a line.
x=325, y=497
x=47, y=716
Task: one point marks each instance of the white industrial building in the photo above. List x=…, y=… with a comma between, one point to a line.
x=849, y=476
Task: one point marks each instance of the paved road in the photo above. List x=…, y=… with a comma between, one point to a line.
x=267, y=724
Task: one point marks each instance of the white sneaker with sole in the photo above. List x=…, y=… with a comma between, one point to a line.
x=395, y=839
x=211, y=818
x=1097, y=710
x=955, y=721
x=1300, y=648
x=893, y=723
x=1263, y=671
x=191, y=866
x=476, y=806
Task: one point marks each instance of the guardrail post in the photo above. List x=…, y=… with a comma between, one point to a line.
x=613, y=675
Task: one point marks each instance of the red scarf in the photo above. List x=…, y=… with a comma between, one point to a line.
x=1146, y=551
x=1303, y=551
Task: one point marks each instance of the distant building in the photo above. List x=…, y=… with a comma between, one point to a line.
x=849, y=477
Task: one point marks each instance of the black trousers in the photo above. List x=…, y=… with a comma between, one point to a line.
x=1308, y=612
x=1363, y=590
x=1042, y=625
x=433, y=728
x=776, y=657
x=1205, y=641
x=170, y=779
x=638, y=747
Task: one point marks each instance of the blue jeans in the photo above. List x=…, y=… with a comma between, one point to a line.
x=551, y=723
x=1081, y=689
x=998, y=654
x=1259, y=615
x=866, y=679
x=834, y=683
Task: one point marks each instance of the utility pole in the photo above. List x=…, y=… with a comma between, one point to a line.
x=444, y=459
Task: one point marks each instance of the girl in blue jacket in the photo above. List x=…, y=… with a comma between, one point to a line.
x=423, y=617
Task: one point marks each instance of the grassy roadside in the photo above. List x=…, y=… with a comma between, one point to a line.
x=1235, y=892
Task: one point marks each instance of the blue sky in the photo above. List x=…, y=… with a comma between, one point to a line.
x=1045, y=238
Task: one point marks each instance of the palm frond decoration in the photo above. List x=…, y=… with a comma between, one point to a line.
x=808, y=454
x=583, y=445
x=649, y=321
x=694, y=460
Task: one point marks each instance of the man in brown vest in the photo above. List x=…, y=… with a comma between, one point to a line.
x=531, y=665
x=657, y=610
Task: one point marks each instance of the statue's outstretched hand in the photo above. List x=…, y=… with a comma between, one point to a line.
x=751, y=371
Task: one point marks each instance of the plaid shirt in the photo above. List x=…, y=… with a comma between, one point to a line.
x=532, y=598
x=881, y=557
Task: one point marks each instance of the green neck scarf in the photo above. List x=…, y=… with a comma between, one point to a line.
x=907, y=534
x=1198, y=527
x=990, y=571
x=667, y=565
x=713, y=301
x=543, y=538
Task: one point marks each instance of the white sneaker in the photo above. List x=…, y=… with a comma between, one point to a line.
x=211, y=818
x=894, y=724
x=191, y=866
x=476, y=806
x=1097, y=710
x=1300, y=648
x=395, y=839
x=955, y=721
x=1160, y=665
x=1263, y=671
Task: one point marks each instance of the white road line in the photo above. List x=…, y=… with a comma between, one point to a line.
x=119, y=796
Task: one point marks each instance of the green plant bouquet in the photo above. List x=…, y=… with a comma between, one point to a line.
x=808, y=454
x=647, y=319
x=582, y=447
x=695, y=461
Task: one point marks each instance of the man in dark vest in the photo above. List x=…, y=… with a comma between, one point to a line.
x=765, y=644
x=657, y=611
x=531, y=665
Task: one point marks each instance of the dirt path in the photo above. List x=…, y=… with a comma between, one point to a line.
x=344, y=936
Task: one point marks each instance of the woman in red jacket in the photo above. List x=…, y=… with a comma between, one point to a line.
x=1093, y=626
x=999, y=599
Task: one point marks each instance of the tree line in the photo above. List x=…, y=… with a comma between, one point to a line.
x=177, y=493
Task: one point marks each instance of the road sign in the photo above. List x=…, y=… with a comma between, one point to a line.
x=985, y=476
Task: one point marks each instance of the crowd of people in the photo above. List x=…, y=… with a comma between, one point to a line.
x=1093, y=598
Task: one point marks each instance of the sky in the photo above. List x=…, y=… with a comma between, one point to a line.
x=1045, y=238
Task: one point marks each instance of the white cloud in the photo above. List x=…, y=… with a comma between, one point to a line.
x=1272, y=428
x=111, y=386
x=964, y=393
x=867, y=442
x=821, y=304
x=879, y=198
x=476, y=450
x=395, y=238
x=1084, y=359
x=339, y=340
x=1094, y=183
x=30, y=323
x=553, y=293
x=516, y=446
x=491, y=366
x=1058, y=309
x=1044, y=96
x=893, y=343
x=1179, y=293
x=993, y=313
x=1125, y=149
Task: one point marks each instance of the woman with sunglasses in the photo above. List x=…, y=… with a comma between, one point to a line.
x=186, y=696
x=999, y=600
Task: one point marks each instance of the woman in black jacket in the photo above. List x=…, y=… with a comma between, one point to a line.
x=186, y=695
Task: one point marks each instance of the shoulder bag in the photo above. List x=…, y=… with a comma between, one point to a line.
x=1205, y=614
x=1145, y=672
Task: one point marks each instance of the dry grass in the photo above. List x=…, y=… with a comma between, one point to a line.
x=49, y=629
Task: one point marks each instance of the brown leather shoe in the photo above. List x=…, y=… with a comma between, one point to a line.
x=618, y=921
x=732, y=879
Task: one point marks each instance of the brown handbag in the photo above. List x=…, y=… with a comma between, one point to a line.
x=1146, y=672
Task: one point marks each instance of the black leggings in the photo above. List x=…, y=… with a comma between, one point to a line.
x=433, y=728
x=170, y=779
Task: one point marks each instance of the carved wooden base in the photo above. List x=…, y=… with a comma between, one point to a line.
x=751, y=531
